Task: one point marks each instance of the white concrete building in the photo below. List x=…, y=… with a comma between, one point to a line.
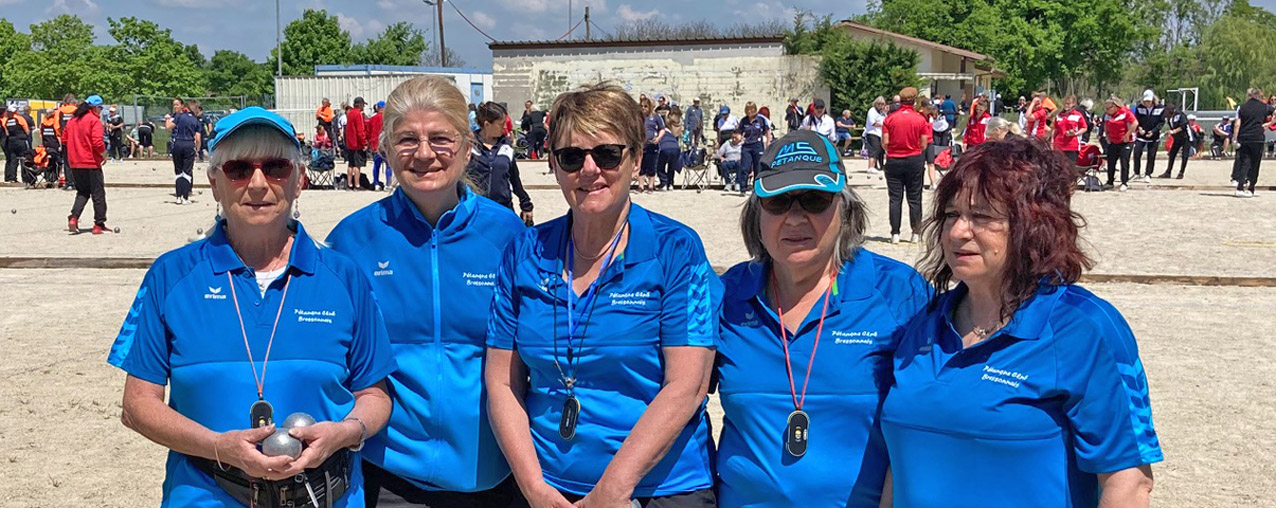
x=947, y=70
x=297, y=97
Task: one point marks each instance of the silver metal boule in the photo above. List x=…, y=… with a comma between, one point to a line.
x=117, y=230
x=281, y=443
x=298, y=420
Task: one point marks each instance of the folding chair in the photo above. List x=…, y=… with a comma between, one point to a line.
x=695, y=169
x=1089, y=162
x=319, y=172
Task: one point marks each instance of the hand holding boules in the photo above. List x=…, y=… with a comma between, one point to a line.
x=320, y=441
x=238, y=448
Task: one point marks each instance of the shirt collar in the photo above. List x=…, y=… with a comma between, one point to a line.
x=1028, y=321
x=303, y=257
x=402, y=208
x=855, y=281
x=641, y=246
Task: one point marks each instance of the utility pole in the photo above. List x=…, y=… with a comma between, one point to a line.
x=569, y=15
x=438, y=4
x=279, y=55
x=587, y=34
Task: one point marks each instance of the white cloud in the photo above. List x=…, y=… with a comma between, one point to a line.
x=483, y=20
x=388, y=5
x=197, y=4
x=359, y=30
x=768, y=10
x=528, y=6
x=80, y=7
x=629, y=15
x=10, y=2
x=596, y=6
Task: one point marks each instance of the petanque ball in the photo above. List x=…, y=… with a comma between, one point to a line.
x=298, y=420
x=15, y=210
x=280, y=443
x=199, y=231
x=117, y=230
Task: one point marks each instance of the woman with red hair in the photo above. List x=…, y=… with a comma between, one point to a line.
x=1015, y=367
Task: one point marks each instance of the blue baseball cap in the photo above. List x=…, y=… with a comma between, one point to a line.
x=724, y=110
x=94, y=100
x=251, y=116
x=801, y=160
x=380, y=104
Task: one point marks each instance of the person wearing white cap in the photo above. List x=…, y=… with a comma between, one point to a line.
x=1151, y=117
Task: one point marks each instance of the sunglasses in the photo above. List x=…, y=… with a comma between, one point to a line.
x=571, y=159
x=273, y=169
x=812, y=202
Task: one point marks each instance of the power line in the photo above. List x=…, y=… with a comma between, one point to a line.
x=569, y=32
x=467, y=20
x=600, y=29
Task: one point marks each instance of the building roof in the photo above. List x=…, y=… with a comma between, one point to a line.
x=607, y=43
x=851, y=25
x=397, y=69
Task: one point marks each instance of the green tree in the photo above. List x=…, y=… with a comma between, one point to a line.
x=12, y=44
x=399, y=44
x=855, y=71
x=1235, y=54
x=316, y=38
x=231, y=73
x=57, y=60
x=154, y=63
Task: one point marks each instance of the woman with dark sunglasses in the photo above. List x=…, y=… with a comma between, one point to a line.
x=431, y=249
x=602, y=332
x=807, y=325
x=313, y=342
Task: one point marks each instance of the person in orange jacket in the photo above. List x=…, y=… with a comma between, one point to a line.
x=324, y=115
x=17, y=136
x=86, y=150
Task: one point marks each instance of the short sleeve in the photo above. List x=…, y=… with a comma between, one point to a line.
x=692, y=296
x=1107, y=402
x=503, y=322
x=370, y=358
x=142, y=346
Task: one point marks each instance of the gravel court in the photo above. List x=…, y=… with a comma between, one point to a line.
x=1210, y=367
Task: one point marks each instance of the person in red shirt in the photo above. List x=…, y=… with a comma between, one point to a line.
x=1069, y=123
x=1038, y=118
x=85, y=152
x=905, y=133
x=977, y=124
x=374, y=135
x=1118, y=128
x=356, y=154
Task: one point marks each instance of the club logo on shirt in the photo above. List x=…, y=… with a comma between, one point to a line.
x=486, y=280
x=383, y=269
x=793, y=152
x=214, y=294
x=864, y=337
x=314, y=316
x=1006, y=377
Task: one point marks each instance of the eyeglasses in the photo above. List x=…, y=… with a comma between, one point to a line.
x=812, y=202
x=571, y=159
x=443, y=142
x=273, y=169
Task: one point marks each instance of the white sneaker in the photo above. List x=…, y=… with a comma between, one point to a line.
x=1232, y=183
x=916, y=238
x=1240, y=193
x=1123, y=187
x=179, y=200
x=1147, y=178
x=874, y=172
x=894, y=239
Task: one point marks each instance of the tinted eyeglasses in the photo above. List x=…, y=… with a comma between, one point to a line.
x=571, y=159
x=811, y=201
x=273, y=169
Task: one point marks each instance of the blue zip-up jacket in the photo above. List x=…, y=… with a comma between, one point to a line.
x=435, y=285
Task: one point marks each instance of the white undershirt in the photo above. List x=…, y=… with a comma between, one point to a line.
x=264, y=279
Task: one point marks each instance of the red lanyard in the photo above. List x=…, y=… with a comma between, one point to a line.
x=261, y=382
x=784, y=341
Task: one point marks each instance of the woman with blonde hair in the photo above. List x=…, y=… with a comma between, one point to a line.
x=431, y=250
x=755, y=128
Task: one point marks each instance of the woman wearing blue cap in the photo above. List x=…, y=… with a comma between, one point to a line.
x=602, y=331
x=313, y=342
x=1016, y=387
x=85, y=153
x=807, y=328
x=431, y=250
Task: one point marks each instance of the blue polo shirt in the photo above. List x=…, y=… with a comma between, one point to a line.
x=661, y=292
x=185, y=126
x=845, y=463
x=182, y=331
x=1027, y=417
x=435, y=286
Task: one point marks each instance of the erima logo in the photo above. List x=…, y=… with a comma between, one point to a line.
x=214, y=290
x=800, y=151
x=214, y=294
x=382, y=272
x=750, y=319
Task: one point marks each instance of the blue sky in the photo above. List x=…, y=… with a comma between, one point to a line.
x=248, y=26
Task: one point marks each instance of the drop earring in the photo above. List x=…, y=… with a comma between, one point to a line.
x=296, y=209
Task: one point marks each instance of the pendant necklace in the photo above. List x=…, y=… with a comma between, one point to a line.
x=797, y=427
x=261, y=413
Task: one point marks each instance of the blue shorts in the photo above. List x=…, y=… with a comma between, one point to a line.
x=843, y=136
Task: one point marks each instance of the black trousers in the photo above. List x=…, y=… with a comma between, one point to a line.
x=1248, y=155
x=1141, y=146
x=668, y=165
x=184, y=168
x=536, y=142
x=13, y=149
x=117, y=145
x=1183, y=147
x=703, y=498
x=904, y=177
x=89, y=184
x=1118, y=152
x=383, y=489
x=875, y=150
x=750, y=161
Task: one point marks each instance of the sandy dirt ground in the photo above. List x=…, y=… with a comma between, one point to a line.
x=1209, y=351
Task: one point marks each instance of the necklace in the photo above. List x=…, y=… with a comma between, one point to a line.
x=798, y=425
x=582, y=255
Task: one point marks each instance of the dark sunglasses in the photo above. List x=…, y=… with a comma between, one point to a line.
x=571, y=159
x=811, y=201
x=274, y=169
